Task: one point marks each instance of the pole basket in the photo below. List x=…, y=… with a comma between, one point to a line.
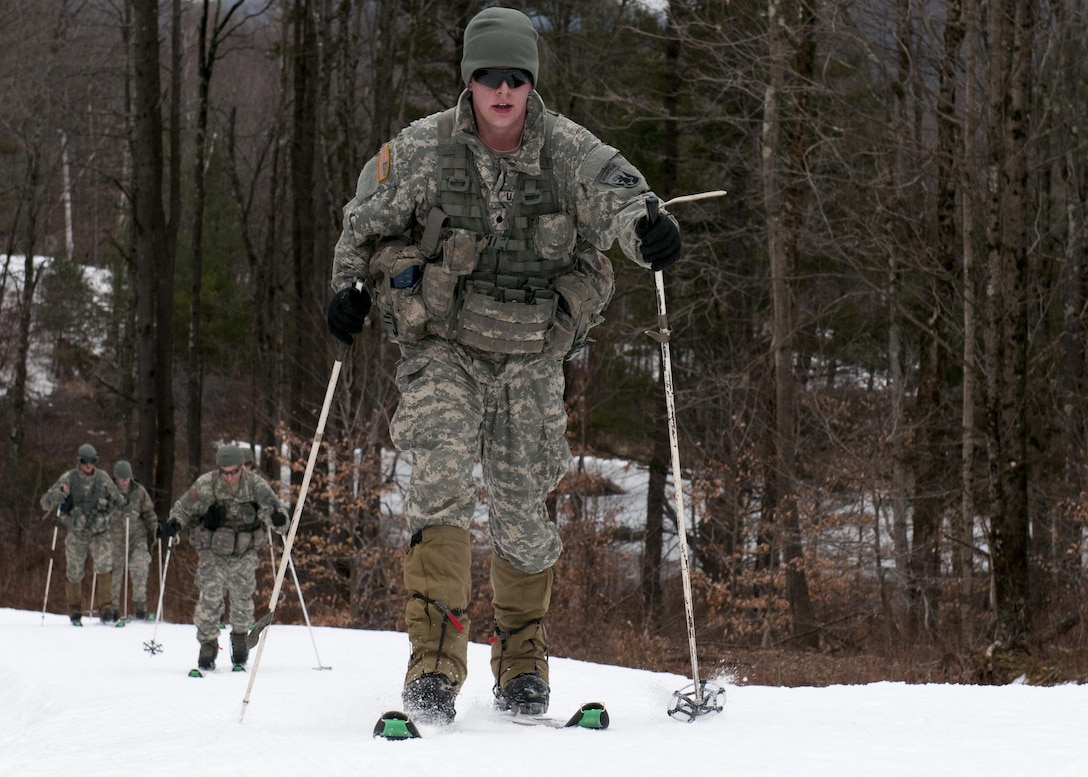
x=687, y=705
x=152, y=647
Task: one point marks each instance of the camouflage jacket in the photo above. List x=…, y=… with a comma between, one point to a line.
x=138, y=507
x=248, y=508
x=94, y=498
x=397, y=189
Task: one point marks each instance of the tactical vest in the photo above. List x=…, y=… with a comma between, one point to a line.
x=502, y=297
x=90, y=507
x=509, y=251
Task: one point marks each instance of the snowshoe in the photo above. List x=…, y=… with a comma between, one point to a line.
x=429, y=699
x=526, y=694
x=395, y=725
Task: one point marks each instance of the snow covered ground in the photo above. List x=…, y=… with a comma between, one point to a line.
x=91, y=702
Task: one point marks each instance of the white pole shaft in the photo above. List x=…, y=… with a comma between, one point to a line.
x=49, y=574
x=674, y=444
x=677, y=483
x=124, y=579
x=305, y=613
x=162, y=586
x=289, y=541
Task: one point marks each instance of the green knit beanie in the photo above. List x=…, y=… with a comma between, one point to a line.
x=229, y=456
x=501, y=38
x=122, y=470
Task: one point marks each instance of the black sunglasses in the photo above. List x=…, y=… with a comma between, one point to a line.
x=230, y=472
x=88, y=461
x=492, y=78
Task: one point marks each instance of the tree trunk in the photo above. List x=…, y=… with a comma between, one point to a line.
x=781, y=219
x=153, y=364
x=965, y=536
x=1007, y=325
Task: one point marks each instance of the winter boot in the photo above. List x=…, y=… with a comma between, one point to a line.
x=73, y=591
x=429, y=699
x=526, y=694
x=141, y=610
x=106, y=610
x=519, y=650
x=208, y=653
x=437, y=574
x=239, y=651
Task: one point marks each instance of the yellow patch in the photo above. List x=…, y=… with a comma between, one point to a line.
x=383, y=163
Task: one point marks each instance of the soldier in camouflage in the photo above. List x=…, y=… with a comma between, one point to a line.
x=479, y=232
x=85, y=497
x=228, y=512
x=135, y=525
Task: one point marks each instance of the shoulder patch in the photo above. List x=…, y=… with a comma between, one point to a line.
x=383, y=163
x=614, y=175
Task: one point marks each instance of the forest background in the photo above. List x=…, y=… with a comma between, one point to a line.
x=878, y=335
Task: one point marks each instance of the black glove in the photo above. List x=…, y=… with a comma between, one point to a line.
x=213, y=519
x=169, y=529
x=279, y=519
x=347, y=313
x=660, y=242
x=66, y=505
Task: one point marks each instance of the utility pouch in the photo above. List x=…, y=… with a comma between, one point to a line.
x=441, y=278
x=200, y=537
x=586, y=292
x=74, y=519
x=243, y=542
x=401, y=299
x=502, y=320
x=554, y=237
x=222, y=541
x=99, y=523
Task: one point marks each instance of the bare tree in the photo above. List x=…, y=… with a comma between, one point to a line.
x=1011, y=36
x=155, y=435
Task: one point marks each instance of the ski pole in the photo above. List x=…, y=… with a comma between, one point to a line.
x=306, y=615
x=151, y=646
x=301, y=600
x=124, y=578
x=49, y=574
x=94, y=584
x=702, y=699
x=289, y=540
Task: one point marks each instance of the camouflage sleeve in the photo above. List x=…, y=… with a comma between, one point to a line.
x=606, y=192
x=56, y=493
x=391, y=188
x=194, y=502
x=146, y=509
x=267, y=502
x=118, y=501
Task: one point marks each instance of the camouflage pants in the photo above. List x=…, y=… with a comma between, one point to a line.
x=139, y=560
x=216, y=577
x=77, y=546
x=457, y=403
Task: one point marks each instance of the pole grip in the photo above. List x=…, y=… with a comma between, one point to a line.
x=653, y=208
